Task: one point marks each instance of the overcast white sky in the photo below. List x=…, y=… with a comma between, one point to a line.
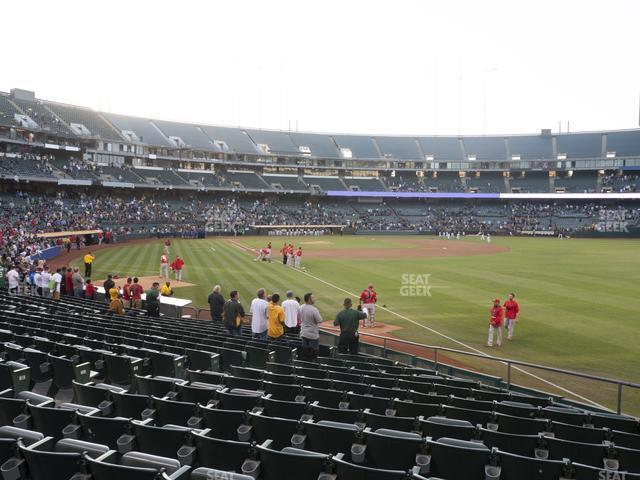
x=397, y=67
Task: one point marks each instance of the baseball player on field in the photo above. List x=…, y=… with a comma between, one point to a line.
x=368, y=299
x=298, y=257
x=164, y=266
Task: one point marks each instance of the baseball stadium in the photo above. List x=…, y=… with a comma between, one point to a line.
x=195, y=300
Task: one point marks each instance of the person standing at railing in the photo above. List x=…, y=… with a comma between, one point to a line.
x=349, y=320
x=153, y=300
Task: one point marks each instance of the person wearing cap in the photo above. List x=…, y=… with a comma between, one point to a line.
x=291, y=309
x=177, y=265
x=348, y=320
x=495, y=324
x=88, y=262
x=368, y=299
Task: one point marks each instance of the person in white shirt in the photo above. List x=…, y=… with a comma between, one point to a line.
x=57, y=278
x=291, y=309
x=37, y=283
x=45, y=276
x=258, y=311
x=13, y=278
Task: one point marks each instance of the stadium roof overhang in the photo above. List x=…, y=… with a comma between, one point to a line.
x=497, y=196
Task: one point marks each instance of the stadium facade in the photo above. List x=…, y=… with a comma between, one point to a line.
x=135, y=154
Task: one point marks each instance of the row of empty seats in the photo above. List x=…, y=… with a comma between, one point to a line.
x=107, y=395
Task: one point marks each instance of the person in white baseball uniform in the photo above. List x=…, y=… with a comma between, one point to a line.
x=291, y=309
x=164, y=266
x=298, y=257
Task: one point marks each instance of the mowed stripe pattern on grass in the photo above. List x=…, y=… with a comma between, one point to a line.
x=578, y=297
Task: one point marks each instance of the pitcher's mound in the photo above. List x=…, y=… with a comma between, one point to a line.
x=146, y=282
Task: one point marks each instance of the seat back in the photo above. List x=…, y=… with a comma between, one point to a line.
x=290, y=463
x=201, y=360
x=220, y=454
x=172, y=412
x=331, y=437
x=103, y=430
x=349, y=471
x=517, y=467
x=47, y=465
x=283, y=409
x=222, y=423
x=279, y=430
x=393, y=450
x=51, y=421
x=161, y=441
x=437, y=427
x=457, y=460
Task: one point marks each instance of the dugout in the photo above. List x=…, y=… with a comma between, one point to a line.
x=299, y=230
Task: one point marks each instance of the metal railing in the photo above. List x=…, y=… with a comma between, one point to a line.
x=506, y=361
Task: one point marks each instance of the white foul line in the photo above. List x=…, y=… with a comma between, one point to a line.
x=451, y=339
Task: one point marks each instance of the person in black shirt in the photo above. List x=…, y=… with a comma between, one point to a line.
x=108, y=285
x=233, y=313
x=349, y=320
x=216, y=303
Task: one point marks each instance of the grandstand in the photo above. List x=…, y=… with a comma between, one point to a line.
x=529, y=160
x=89, y=394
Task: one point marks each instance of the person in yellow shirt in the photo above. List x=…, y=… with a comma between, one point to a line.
x=275, y=318
x=166, y=290
x=88, y=261
x=115, y=304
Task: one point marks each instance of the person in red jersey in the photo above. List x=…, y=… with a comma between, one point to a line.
x=177, y=266
x=284, y=250
x=264, y=254
x=368, y=299
x=495, y=324
x=135, y=291
x=511, y=312
x=126, y=295
x=89, y=290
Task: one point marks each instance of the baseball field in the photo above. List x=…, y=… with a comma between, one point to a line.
x=578, y=297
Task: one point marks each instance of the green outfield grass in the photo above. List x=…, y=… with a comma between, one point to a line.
x=578, y=297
